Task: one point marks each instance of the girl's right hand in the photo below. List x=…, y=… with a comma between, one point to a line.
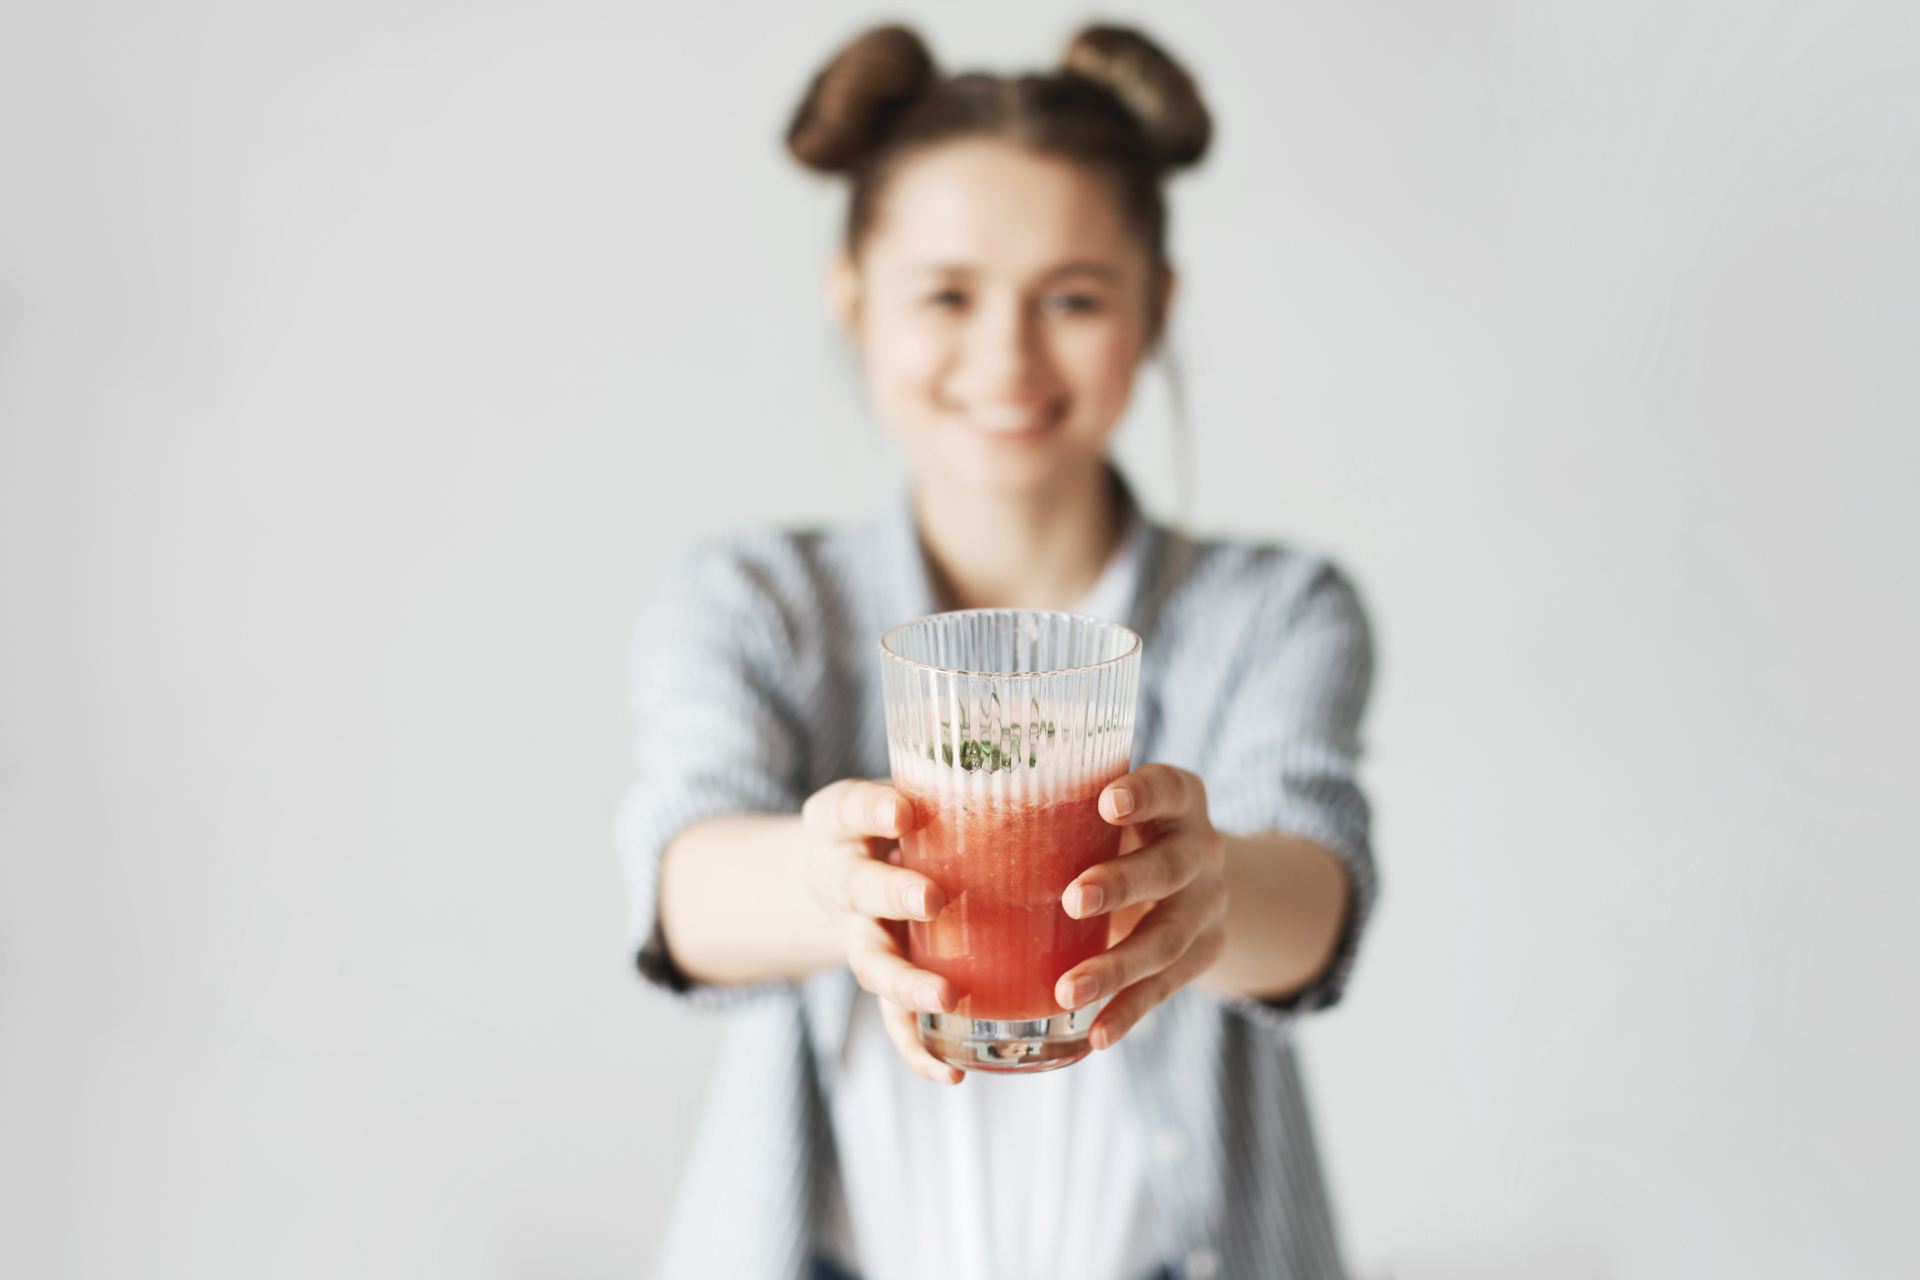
x=854, y=829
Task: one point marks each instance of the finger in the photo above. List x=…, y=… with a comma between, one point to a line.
x=871, y=887
x=1163, y=936
x=854, y=809
x=1153, y=792
x=1134, y=1003
x=903, y=1028
x=1150, y=874
x=879, y=967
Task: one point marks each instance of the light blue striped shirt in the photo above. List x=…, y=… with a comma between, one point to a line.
x=756, y=681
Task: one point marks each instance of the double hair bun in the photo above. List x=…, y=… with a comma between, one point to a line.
x=853, y=104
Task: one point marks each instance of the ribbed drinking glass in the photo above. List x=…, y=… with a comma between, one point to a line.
x=1003, y=726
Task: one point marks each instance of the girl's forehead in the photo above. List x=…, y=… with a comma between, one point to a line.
x=991, y=204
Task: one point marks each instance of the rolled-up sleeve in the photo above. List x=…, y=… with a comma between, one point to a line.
x=1287, y=748
x=715, y=736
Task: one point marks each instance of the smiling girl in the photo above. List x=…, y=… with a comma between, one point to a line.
x=1002, y=280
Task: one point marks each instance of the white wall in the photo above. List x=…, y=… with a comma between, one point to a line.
x=360, y=366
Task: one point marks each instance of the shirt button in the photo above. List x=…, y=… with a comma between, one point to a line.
x=1169, y=1145
x=1203, y=1264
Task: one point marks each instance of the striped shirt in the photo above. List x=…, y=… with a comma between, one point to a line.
x=755, y=677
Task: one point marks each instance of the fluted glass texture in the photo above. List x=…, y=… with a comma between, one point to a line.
x=1003, y=726
x=1030, y=694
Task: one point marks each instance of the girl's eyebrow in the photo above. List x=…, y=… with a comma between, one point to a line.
x=1099, y=270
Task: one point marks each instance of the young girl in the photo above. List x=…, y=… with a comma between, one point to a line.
x=1004, y=275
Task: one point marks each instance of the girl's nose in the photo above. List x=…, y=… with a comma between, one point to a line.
x=1001, y=357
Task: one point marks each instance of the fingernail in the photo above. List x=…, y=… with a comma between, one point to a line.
x=1122, y=801
x=884, y=814
x=1092, y=898
x=919, y=901
x=1082, y=990
x=926, y=996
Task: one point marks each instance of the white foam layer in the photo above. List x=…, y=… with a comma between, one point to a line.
x=1048, y=780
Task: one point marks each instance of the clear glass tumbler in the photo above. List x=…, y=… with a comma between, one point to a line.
x=1003, y=726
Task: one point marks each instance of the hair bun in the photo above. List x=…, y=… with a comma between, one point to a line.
x=1155, y=88
x=857, y=97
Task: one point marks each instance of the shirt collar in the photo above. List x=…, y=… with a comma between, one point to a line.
x=1129, y=577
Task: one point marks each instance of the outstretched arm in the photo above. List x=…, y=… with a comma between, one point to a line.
x=1257, y=915
x=760, y=896
x=756, y=896
x=1286, y=903
x=734, y=904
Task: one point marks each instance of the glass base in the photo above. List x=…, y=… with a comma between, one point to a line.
x=982, y=1044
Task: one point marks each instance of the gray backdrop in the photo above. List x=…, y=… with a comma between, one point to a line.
x=361, y=364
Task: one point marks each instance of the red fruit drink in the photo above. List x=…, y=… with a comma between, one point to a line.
x=1003, y=727
x=1003, y=854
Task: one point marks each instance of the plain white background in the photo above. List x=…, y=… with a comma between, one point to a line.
x=361, y=364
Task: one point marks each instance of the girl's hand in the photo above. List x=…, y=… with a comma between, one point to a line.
x=854, y=831
x=1167, y=891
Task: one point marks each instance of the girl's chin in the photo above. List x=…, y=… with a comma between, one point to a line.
x=1025, y=437
x=1008, y=472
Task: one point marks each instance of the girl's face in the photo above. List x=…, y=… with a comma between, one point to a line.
x=1000, y=305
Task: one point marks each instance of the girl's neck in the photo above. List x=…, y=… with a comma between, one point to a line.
x=1042, y=550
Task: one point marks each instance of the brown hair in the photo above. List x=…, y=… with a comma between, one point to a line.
x=1118, y=104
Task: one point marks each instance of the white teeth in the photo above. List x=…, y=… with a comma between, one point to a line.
x=1004, y=420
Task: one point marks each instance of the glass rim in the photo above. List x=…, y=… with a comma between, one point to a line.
x=1133, y=650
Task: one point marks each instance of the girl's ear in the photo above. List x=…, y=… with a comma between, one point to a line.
x=1160, y=304
x=843, y=292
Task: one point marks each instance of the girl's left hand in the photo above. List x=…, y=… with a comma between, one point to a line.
x=1169, y=884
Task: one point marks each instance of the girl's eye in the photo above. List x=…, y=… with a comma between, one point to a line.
x=947, y=300
x=1075, y=304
